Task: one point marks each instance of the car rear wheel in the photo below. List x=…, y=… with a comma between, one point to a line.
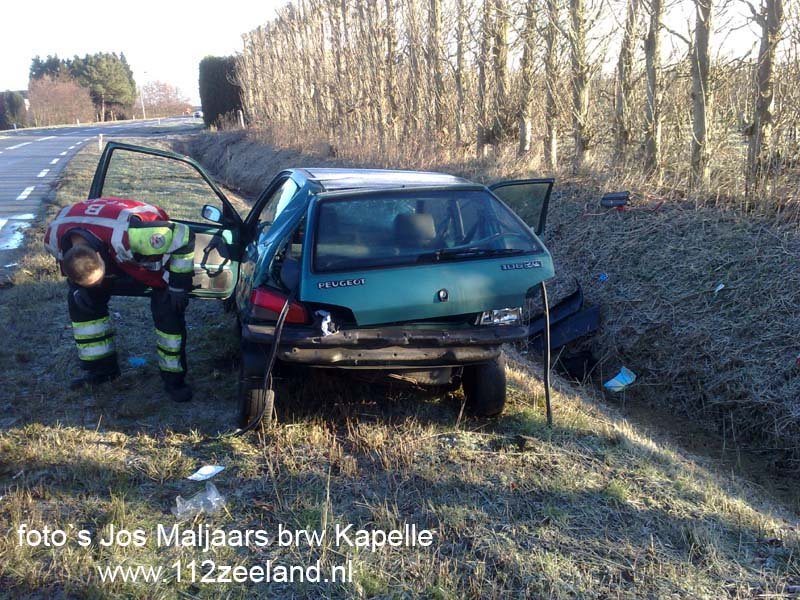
x=484, y=387
x=255, y=400
x=256, y=396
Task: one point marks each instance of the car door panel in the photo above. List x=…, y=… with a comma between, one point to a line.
x=529, y=198
x=180, y=186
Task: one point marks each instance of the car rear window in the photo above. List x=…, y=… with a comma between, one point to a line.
x=399, y=229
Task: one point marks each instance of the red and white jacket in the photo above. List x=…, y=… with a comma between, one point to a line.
x=108, y=220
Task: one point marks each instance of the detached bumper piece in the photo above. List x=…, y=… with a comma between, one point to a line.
x=387, y=347
x=569, y=321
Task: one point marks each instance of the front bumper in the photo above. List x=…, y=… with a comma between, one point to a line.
x=390, y=347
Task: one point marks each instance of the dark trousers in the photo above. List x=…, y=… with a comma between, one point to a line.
x=94, y=333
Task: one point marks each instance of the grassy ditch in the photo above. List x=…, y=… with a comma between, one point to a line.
x=701, y=302
x=592, y=508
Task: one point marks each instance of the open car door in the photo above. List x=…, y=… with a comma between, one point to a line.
x=529, y=198
x=179, y=185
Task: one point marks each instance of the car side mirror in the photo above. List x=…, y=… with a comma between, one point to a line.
x=212, y=213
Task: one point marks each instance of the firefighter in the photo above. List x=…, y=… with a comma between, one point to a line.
x=108, y=245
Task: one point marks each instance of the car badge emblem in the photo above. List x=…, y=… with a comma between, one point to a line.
x=443, y=295
x=157, y=241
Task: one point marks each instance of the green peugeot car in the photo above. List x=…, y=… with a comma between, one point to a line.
x=414, y=275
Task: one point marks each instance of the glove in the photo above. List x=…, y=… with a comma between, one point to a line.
x=178, y=299
x=83, y=300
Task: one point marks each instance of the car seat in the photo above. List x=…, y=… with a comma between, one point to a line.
x=414, y=230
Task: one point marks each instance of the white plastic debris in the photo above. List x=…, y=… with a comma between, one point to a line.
x=206, y=472
x=621, y=380
x=719, y=288
x=208, y=501
x=327, y=325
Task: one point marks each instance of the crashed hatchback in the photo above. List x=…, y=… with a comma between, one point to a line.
x=419, y=276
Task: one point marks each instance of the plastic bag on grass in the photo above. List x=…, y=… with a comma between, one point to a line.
x=208, y=501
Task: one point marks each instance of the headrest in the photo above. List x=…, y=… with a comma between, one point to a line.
x=414, y=227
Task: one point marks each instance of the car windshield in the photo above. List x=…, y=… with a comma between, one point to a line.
x=400, y=229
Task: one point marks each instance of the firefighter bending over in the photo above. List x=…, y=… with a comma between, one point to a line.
x=107, y=245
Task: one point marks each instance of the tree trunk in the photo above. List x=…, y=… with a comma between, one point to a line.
x=580, y=82
x=435, y=64
x=526, y=95
x=461, y=25
x=391, y=77
x=551, y=83
x=701, y=93
x=500, y=56
x=483, y=64
x=622, y=127
x=652, y=109
x=759, y=146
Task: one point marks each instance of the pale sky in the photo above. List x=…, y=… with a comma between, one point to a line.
x=162, y=41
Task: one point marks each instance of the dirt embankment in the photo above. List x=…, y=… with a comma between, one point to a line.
x=704, y=305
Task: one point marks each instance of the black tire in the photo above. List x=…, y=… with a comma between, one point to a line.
x=255, y=400
x=255, y=394
x=484, y=387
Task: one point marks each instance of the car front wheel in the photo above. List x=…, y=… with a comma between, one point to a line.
x=484, y=387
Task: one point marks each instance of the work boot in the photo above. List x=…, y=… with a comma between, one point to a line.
x=179, y=392
x=91, y=379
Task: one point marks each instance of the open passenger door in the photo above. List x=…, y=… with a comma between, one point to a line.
x=529, y=198
x=181, y=187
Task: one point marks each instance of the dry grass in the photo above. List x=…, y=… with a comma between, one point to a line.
x=592, y=508
x=728, y=357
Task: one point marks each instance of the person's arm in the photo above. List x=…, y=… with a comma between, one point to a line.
x=181, y=257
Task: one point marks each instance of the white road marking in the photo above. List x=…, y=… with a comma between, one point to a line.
x=18, y=146
x=49, y=137
x=64, y=153
x=54, y=161
x=26, y=192
x=43, y=172
x=11, y=237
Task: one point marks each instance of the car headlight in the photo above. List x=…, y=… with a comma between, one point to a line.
x=501, y=316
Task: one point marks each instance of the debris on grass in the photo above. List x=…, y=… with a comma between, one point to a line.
x=621, y=380
x=206, y=472
x=208, y=502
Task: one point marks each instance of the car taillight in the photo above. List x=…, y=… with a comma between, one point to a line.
x=267, y=305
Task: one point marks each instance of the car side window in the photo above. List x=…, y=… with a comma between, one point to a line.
x=278, y=201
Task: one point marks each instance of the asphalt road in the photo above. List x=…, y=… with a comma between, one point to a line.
x=31, y=160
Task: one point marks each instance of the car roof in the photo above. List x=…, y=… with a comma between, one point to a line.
x=369, y=179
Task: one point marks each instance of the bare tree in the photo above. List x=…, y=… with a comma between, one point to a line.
x=163, y=100
x=770, y=19
x=58, y=100
x=500, y=125
x=434, y=61
x=526, y=67
x=461, y=27
x=701, y=92
x=483, y=62
x=624, y=83
x=551, y=84
x=652, y=110
x=580, y=82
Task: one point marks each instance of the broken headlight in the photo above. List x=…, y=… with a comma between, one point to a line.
x=501, y=316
